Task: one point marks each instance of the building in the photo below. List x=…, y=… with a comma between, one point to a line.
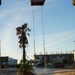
x=74, y=54
x=7, y=62
x=12, y=62
x=67, y=58
x=4, y=62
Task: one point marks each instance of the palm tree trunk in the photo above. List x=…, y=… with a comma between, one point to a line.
x=24, y=54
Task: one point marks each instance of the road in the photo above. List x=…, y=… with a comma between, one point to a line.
x=38, y=71
x=9, y=71
x=50, y=71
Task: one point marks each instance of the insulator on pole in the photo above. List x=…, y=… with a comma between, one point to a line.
x=37, y=2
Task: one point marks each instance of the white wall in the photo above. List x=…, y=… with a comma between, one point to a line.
x=12, y=61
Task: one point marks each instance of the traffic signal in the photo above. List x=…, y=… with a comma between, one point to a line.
x=0, y=2
x=37, y=2
x=73, y=2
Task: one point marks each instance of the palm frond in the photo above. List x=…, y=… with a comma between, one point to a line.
x=28, y=34
x=24, y=67
x=24, y=26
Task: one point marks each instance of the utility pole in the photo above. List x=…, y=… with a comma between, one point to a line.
x=0, y=57
x=38, y=3
x=43, y=37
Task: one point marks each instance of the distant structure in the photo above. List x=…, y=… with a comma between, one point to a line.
x=7, y=62
x=51, y=58
x=4, y=62
x=12, y=62
x=74, y=54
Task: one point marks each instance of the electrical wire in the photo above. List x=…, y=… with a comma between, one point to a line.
x=33, y=31
x=43, y=36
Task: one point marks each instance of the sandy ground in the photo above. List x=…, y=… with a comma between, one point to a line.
x=66, y=73
x=13, y=71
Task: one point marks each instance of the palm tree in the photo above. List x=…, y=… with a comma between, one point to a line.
x=22, y=32
x=24, y=67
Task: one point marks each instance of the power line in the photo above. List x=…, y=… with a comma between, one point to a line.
x=43, y=35
x=34, y=36
x=33, y=30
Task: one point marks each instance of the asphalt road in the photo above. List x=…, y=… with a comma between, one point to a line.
x=38, y=71
x=51, y=71
x=10, y=71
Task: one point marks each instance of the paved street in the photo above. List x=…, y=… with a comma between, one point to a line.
x=11, y=71
x=42, y=71
x=38, y=71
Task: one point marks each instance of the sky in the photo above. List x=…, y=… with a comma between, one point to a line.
x=58, y=22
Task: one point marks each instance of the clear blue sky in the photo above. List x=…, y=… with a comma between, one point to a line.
x=59, y=26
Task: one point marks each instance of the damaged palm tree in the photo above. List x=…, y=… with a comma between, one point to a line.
x=22, y=32
x=24, y=67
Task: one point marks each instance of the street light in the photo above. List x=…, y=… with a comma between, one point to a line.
x=37, y=2
x=73, y=2
x=0, y=2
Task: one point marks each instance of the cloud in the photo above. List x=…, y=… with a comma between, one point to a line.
x=3, y=14
x=12, y=18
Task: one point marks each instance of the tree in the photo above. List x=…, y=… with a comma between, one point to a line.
x=24, y=67
x=22, y=35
